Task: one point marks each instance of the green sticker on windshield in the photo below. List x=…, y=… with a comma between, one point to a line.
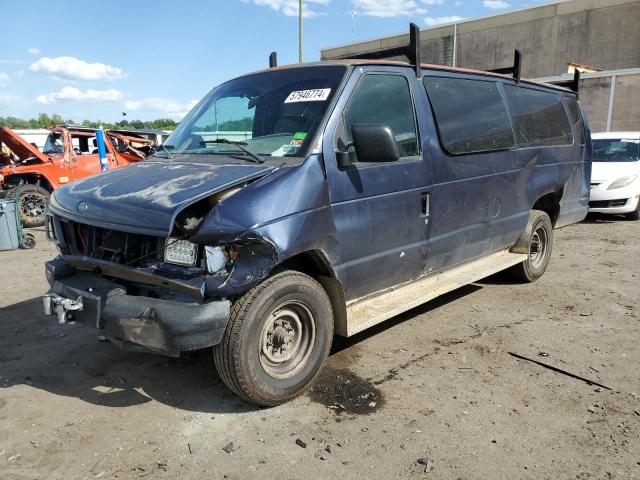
x=299, y=135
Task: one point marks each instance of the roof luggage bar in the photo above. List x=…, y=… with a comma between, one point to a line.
x=514, y=70
x=573, y=85
x=411, y=51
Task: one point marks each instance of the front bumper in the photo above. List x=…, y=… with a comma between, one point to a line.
x=130, y=321
x=614, y=206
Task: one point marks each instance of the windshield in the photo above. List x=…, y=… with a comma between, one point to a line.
x=54, y=144
x=275, y=113
x=616, y=150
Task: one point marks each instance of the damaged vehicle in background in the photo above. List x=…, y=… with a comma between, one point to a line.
x=69, y=153
x=363, y=189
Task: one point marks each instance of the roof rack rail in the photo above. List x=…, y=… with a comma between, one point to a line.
x=573, y=84
x=514, y=70
x=273, y=60
x=411, y=51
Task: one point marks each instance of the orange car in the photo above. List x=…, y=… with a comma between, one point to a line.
x=70, y=153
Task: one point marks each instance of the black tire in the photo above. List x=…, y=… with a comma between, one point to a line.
x=538, y=241
x=635, y=215
x=27, y=242
x=285, y=302
x=32, y=205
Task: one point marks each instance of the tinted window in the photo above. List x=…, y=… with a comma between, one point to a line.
x=576, y=118
x=470, y=114
x=539, y=118
x=384, y=100
x=616, y=150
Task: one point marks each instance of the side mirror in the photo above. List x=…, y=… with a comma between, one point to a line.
x=374, y=143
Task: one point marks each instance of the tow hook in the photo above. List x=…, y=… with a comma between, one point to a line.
x=53, y=303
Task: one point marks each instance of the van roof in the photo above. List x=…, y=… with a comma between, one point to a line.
x=426, y=66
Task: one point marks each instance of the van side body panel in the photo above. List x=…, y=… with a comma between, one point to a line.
x=481, y=201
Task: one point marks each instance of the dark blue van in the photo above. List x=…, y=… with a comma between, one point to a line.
x=307, y=201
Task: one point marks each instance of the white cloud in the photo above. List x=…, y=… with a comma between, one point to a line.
x=4, y=79
x=458, y=3
x=431, y=21
x=496, y=4
x=290, y=7
x=73, y=94
x=391, y=8
x=76, y=69
x=34, y=51
x=7, y=100
x=163, y=106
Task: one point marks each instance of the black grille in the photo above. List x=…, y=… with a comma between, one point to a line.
x=608, y=203
x=112, y=245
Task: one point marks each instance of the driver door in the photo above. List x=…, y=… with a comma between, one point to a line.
x=380, y=209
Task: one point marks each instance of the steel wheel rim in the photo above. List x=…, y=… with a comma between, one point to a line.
x=286, y=340
x=33, y=205
x=538, y=247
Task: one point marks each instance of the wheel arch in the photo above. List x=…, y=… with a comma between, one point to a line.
x=316, y=264
x=550, y=204
x=29, y=178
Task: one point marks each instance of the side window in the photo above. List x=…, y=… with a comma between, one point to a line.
x=576, y=118
x=470, y=115
x=539, y=118
x=385, y=100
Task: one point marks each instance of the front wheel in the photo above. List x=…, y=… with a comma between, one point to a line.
x=538, y=239
x=32, y=205
x=277, y=339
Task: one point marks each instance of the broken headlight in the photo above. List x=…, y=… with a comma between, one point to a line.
x=216, y=258
x=180, y=252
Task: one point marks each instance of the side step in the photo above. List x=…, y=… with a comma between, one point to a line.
x=369, y=311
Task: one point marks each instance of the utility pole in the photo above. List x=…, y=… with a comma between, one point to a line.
x=300, y=32
x=353, y=25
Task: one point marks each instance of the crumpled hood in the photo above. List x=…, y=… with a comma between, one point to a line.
x=605, y=171
x=146, y=197
x=19, y=145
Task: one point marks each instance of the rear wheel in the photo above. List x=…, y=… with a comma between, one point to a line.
x=538, y=238
x=32, y=205
x=277, y=339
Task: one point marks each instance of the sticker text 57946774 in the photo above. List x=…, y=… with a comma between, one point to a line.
x=315, y=95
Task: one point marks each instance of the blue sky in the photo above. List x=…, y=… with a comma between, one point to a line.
x=155, y=58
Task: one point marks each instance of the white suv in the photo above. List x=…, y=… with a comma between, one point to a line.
x=615, y=176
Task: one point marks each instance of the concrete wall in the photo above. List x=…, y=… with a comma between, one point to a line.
x=610, y=99
x=600, y=33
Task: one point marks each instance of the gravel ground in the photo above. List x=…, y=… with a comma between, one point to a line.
x=431, y=394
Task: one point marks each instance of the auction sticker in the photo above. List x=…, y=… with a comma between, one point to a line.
x=316, y=95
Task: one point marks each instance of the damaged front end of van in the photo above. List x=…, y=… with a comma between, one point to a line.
x=147, y=284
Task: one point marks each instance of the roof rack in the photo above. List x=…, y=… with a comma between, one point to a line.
x=273, y=60
x=411, y=51
x=573, y=84
x=514, y=70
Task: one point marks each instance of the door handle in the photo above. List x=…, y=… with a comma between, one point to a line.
x=424, y=205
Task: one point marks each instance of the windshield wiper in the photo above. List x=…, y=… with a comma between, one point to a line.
x=256, y=158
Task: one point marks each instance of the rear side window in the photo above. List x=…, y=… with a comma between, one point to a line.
x=576, y=118
x=470, y=114
x=539, y=118
x=384, y=100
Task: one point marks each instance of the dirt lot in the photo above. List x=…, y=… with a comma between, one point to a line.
x=436, y=383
